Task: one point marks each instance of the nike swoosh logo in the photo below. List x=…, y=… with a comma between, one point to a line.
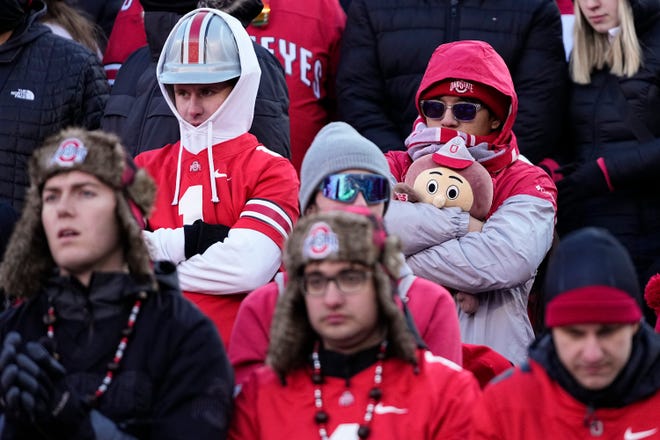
x=382, y=409
x=218, y=174
x=630, y=435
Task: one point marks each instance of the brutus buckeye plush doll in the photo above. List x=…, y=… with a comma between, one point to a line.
x=450, y=177
x=446, y=178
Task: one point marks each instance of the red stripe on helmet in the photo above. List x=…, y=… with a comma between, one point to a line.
x=193, y=37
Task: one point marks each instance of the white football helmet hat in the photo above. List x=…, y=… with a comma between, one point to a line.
x=201, y=49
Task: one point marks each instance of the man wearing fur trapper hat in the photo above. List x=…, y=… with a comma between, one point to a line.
x=596, y=372
x=341, y=359
x=87, y=351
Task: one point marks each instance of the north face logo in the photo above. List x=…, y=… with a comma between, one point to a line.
x=26, y=94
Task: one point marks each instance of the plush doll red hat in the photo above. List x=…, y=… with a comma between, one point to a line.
x=449, y=177
x=652, y=297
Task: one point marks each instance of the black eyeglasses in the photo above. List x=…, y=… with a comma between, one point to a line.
x=463, y=111
x=346, y=187
x=347, y=281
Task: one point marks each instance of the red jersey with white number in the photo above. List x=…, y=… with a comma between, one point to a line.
x=256, y=188
x=257, y=191
x=530, y=405
x=305, y=37
x=221, y=174
x=435, y=403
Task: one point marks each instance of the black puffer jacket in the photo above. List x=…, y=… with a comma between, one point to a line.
x=8, y=218
x=138, y=113
x=46, y=83
x=102, y=13
x=174, y=381
x=387, y=45
x=618, y=119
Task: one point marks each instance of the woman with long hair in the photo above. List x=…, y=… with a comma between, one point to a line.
x=68, y=22
x=614, y=116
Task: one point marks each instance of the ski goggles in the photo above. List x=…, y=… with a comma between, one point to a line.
x=435, y=109
x=346, y=187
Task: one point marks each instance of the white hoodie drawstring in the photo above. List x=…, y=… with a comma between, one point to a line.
x=209, y=152
x=175, y=201
x=209, y=147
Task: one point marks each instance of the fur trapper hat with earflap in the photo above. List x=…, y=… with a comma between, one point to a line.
x=336, y=236
x=28, y=261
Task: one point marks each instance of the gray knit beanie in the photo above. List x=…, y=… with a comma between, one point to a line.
x=338, y=147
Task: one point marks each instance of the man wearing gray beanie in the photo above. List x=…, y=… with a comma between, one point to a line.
x=337, y=148
x=343, y=169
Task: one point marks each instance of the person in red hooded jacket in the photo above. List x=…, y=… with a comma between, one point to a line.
x=467, y=95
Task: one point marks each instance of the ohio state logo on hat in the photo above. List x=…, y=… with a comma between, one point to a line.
x=320, y=242
x=71, y=151
x=460, y=86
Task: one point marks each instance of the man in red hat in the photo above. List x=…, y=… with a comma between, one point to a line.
x=596, y=371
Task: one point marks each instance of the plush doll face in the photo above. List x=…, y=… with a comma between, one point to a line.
x=448, y=177
x=443, y=187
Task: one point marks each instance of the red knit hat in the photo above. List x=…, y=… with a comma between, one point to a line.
x=496, y=102
x=591, y=280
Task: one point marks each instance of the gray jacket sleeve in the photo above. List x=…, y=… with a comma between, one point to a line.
x=422, y=225
x=506, y=253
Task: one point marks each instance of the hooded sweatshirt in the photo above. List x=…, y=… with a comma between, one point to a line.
x=221, y=174
x=500, y=262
